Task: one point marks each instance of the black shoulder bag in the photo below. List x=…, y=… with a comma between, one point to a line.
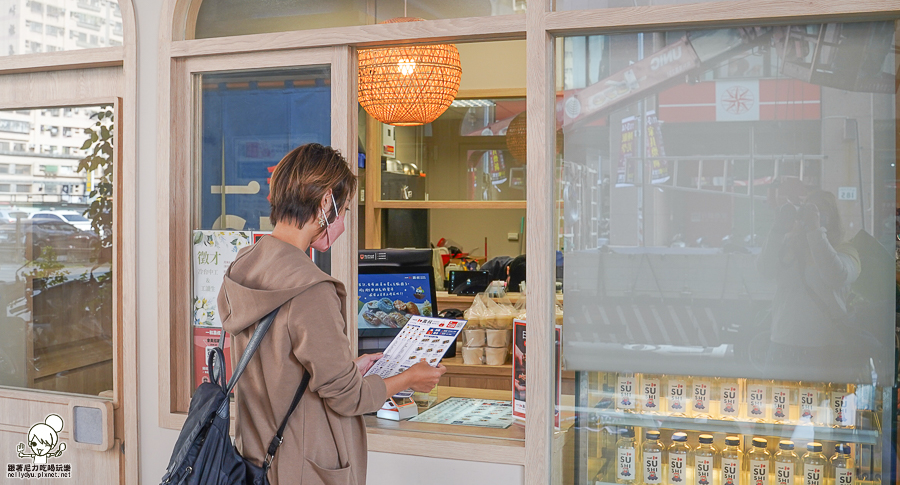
x=204, y=453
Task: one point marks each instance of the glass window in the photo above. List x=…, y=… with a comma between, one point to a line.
x=250, y=121
x=561, y=5
x=86, y=17
x=727, y=219
x=463, y=155
x=239, y=17
x=56, y=253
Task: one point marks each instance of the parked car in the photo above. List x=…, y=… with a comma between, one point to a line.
x=74, y=218
x=10, y=215
x=46, y=232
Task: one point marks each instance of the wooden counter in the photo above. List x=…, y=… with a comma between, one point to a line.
x=446, y=440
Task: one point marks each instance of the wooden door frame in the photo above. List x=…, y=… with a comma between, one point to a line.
x=30, y=67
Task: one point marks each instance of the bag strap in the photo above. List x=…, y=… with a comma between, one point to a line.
x=252, y=345
x=279, y=435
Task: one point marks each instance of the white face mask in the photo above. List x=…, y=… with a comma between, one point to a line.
x=332, y=231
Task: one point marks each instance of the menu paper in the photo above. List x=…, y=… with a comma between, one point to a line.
x=487, y=413
x=421, y=338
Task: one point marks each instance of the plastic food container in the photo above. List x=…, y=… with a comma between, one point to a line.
x=498, y=338
x=473, y=355
x=495, y=356
x=475, y=337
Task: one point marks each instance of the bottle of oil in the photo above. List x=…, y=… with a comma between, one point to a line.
x=842, y=466
x=705, y=461
x=814, y=464
x=780, y=394
x=810, y=404
x=785, y=463
x=701, y=397
x=729, y=398
x=757, y=404
x=626, y=458
x=760, y=462
x=677, y=389
x=652, y=458
x=626, y=385
x=843, y=406
x=732, y=462
x=651, y=390
x=678, y=459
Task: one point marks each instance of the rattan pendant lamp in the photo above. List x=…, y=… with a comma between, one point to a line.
x=408, y=85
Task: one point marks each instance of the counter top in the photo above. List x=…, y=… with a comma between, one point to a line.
x=450, y=441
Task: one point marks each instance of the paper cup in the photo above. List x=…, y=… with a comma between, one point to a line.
x=497, y=338
x=475, y=337
x=473, y=355
x=495, y=356
x=474, y=321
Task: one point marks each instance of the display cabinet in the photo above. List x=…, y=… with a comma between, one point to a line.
x=618, y=414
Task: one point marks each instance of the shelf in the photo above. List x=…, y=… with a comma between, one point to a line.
x=787, y=431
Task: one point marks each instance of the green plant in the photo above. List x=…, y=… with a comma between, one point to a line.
x=100, y=143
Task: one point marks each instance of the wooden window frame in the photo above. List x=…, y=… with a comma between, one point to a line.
x=32, y=69
x=540, y=26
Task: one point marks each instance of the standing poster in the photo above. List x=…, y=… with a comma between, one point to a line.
x=659, y=169
x=518, y=368
x=213, y=253
x=625, y=172
x=205, y=339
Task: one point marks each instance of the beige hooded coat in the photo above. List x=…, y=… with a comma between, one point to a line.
x=325, y=439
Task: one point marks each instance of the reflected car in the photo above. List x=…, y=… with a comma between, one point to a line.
x=45, y=232
x=74, y=218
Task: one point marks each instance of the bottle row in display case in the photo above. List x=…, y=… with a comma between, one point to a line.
x=754, y=400
x=710, y=459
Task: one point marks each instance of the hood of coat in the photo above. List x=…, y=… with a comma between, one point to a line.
x=262, y=278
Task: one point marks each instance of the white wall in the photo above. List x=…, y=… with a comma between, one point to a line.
x=157, y=443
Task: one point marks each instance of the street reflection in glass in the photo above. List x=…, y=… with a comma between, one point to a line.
x=56, y=249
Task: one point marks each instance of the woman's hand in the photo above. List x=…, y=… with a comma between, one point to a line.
x=421, y=377
x=365, y=362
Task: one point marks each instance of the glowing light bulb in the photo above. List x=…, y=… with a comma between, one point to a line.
x=406, y=66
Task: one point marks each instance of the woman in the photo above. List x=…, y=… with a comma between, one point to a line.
x=813, y=268
x=325, y=439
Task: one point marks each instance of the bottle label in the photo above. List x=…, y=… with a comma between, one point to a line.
x=731, y=471
x=677, y=461
x=759, y=472
x=625, y=470
x=784, y=473
x=809, y=401
x=756, y=401
x=843, y=409
x=703, y=469
x=701, y=396
x=677, y=396
x=653, y=467
x=813, y=474
x=625, y=393
x=843, y=476
x=780, y=403
x=650, y=394
x=729, y=405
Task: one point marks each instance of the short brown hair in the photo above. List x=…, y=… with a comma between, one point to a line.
x=302, y=178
